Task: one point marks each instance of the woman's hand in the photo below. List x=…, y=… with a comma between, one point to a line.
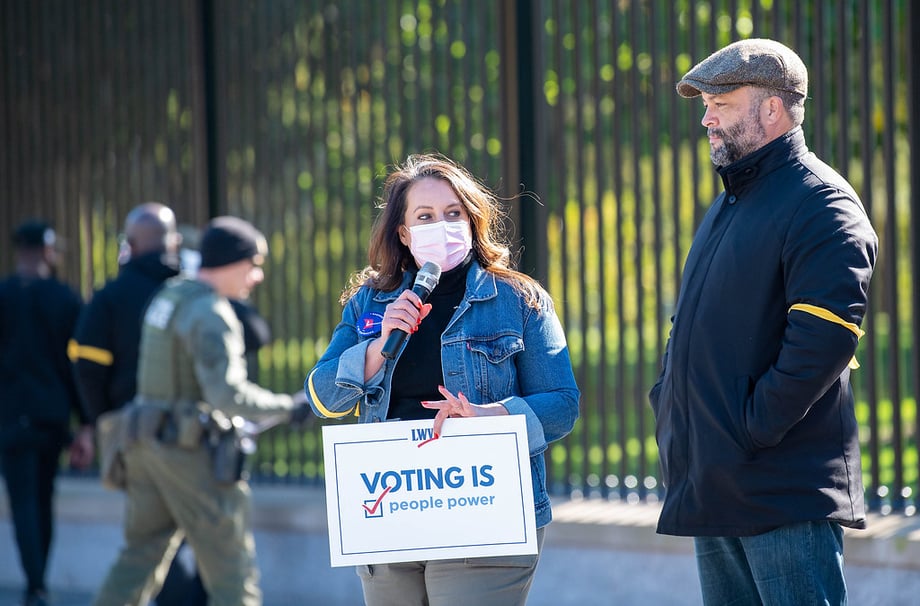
x=405, y=314
x=459, y=406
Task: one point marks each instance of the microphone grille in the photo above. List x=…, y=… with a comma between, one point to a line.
x=432, y=269
x=428, y=275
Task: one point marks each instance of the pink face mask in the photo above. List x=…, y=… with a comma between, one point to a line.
x=446, y=243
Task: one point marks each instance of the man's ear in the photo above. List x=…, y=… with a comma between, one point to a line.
x=773, y=110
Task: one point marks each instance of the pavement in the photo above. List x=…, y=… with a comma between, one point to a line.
x=595, y=552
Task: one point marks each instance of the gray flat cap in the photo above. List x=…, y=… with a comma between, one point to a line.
x=752, y=62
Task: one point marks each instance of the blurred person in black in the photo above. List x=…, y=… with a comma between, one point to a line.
x=38, y=396
x=105, y=345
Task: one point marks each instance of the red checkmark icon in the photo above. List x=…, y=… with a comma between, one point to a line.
x=372, y=510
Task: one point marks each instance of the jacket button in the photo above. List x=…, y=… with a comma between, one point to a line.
x=732, y=199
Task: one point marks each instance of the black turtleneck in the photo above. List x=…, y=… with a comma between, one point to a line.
x=418, y=370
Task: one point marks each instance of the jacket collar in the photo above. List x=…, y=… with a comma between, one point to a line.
x=480, y=285
x=738, y=175
x=157, y=265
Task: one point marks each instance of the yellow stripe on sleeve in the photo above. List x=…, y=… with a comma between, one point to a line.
x=75, y=352
x=319, y=405
x=830, y=316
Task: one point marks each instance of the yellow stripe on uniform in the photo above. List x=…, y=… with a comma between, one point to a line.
x=830, y=316
x=75, y=352
x=319, y=405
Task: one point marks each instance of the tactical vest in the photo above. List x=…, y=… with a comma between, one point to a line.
x=166, y=370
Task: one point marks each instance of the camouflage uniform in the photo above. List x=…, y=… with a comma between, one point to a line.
x=191, y=369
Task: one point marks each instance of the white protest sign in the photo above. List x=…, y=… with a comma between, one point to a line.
x=394, y=494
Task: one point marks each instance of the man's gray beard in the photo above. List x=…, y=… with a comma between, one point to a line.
x=737, y=145
x=721, y=156
x=738, y=140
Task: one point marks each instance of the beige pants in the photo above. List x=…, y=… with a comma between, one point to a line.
x=496, y=581
x=171, y=493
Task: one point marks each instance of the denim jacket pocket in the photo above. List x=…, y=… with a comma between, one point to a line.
x=493, y=364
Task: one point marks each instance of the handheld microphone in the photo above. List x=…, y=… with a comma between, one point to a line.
x=425, y=281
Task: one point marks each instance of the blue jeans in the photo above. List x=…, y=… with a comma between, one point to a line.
x=800, y=564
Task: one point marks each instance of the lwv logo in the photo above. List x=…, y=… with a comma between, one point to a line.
x=421, y=434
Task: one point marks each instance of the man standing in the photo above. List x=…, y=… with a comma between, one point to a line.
x=756, y=428
x=37, y=396
x=104, y=347
x=191, y=382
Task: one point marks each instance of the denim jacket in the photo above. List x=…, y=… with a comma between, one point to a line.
x=494, y=349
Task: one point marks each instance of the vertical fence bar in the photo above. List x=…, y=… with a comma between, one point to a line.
x=620, y=26
x=817, y=98
x=20, y=102
x=843, y=40
x=637, y=134
x=601, y=185
x=677, y=109
x=890, y=248
x=556, y=200
x=697, y=54
x=207, y=184
x=6, y=126
x=869, y=368
x=913, y=128
x=575, y=188
x=516, y=117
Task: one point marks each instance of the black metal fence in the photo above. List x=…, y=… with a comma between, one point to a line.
x=289, y=112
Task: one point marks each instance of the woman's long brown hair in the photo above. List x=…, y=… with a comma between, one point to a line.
x=389, y=258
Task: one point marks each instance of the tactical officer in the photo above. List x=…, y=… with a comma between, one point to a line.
x=192, y=383
x=37, y=395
